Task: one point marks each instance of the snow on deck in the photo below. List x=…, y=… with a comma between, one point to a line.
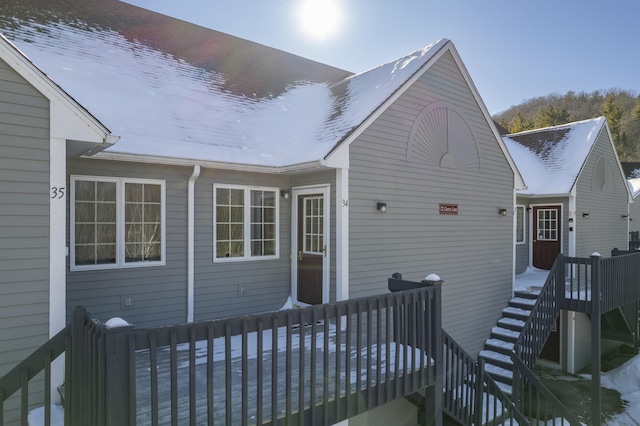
x=387, y=363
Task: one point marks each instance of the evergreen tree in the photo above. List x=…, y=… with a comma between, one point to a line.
x=636, y=112
x=519, y=124
x=613, y=113
x=551, y=116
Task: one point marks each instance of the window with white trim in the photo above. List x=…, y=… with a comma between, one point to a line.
x=245, y=223
x=520, y=224
x=117, y=222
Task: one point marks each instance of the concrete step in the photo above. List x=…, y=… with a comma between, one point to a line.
x=511, y=323
x=499, y=345
x=527, y=294
x=496, y=358
x=505, y=334
x=522, y=303
x=499, y=374
x=516, y=313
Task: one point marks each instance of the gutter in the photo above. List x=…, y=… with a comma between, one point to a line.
x=291, y=169
x=191, y=242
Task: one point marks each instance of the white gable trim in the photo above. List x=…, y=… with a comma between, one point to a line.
x=68, y=119
x=446, y=47
x=518, y=181
x=344, y=145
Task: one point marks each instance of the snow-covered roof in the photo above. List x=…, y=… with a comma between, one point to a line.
x=172, y=89
x=550, y=159
x=634, y=186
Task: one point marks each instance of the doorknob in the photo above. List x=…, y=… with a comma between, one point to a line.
x=300, y=255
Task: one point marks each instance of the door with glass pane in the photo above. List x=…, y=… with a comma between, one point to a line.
x=311, y=248
x=546, y=235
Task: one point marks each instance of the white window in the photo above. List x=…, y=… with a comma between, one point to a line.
x=117, y=222
x=520, y=224
x=245, y=223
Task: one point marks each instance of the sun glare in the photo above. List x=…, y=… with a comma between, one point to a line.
x=320, y=19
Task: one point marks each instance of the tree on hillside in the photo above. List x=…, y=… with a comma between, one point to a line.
x=518, y=124
x=613, y=113
x=582, y=106
x=551, y=116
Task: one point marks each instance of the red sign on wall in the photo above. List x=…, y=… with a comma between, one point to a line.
x=449, y=209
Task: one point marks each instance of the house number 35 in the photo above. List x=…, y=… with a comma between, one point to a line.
x=57, y=192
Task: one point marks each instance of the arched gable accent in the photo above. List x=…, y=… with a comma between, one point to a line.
x=602, y=179
x=441, y=137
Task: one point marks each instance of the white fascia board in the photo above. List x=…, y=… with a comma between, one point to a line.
x=615, y=152
x=344, y=145
x=550, y=195
x=69, y=119
x=518, y=181
x=172, y=161
x=339, y=159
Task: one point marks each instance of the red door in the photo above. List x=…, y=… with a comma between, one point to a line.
x=546, y=235
x=311, y=248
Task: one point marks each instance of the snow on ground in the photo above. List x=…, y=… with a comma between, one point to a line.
x=626, y=380
x=532, y=278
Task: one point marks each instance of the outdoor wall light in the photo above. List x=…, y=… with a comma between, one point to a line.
x=625, y=216
x=502, y=212
x=585, y=215
x=381, y=207
x=285, y=194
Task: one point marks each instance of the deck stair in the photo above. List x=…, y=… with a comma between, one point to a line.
x=497, y=349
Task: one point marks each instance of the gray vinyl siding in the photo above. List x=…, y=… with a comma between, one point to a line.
x=473, y=251
x=24, y=223
x=634, y=215
x=159, y=293
x=266, y=282
x=605, y=228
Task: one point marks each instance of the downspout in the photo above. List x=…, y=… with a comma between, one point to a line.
x=514, y=228
x=191, y=242
x=572, y=223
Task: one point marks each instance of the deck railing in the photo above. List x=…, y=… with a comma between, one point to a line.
x=315, y=365
x=21, y=376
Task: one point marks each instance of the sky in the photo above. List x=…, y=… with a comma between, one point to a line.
x=513, y=50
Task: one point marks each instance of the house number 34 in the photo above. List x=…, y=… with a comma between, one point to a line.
x=57, y=192
x=345, y=203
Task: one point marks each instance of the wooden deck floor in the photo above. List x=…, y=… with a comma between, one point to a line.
x=253, y=392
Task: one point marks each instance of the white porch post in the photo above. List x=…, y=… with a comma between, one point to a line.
x=58, y=193
x=342, y=229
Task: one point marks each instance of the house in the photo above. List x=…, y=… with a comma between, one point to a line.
x=576, y=203
x=632, y=172
x=177, y=174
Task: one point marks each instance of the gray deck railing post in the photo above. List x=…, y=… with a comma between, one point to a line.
x=120, y=383
x=596, y=301
x=433, y=402
x=75, y=392
x=560, y=281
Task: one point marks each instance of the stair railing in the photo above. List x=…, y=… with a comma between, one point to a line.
x=20, y=378
x=471, y=396
x=542, y=319
x=538, y=404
